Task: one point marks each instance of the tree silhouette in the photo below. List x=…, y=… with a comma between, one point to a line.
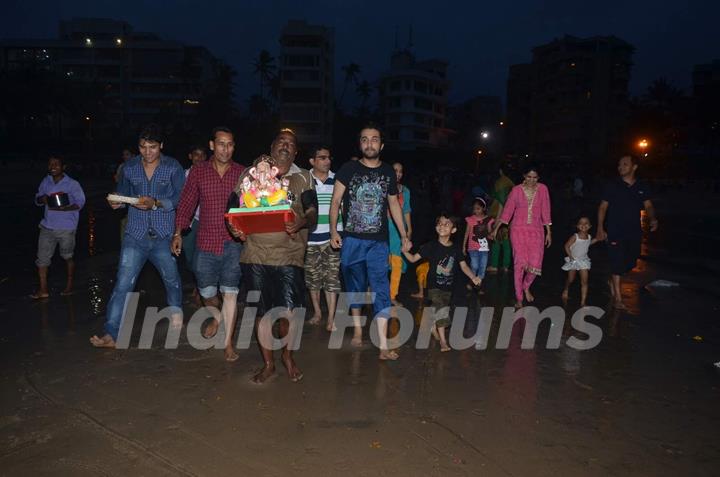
x=662, y=94
x=364, y=90
x=265, y=68
x=351, y=70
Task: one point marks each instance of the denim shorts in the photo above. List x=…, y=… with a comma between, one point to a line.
x=223, y=271
x=49, y=239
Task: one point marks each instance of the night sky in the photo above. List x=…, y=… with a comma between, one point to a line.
x=479, y=39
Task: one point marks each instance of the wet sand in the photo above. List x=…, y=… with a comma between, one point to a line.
x=644, y=402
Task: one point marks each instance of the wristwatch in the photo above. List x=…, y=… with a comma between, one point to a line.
x=154, y=207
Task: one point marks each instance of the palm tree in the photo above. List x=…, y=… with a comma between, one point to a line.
x=364, y=90
x=258, y=106
x=351, y=70
x=274, y=91
x=661, y=93
x=265, y=68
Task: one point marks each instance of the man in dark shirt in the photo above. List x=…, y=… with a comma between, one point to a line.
x=622, y=201
x=367, y=188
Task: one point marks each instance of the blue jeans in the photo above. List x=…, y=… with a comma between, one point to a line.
x=478, y=262
x=223, y=270
x=133, y=256
x=363, y=263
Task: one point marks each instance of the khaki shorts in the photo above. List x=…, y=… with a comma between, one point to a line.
x=440, y=300
x=50, y=239
x=322, y=268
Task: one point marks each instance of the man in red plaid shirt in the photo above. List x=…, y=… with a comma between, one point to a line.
x=217, y=260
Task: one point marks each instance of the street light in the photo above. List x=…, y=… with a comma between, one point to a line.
x=88, y=41
x=118, y=41
x=484, y=134
x=643, y=144
x=477, y=161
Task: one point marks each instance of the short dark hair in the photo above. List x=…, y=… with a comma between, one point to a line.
x=218, y=129
x=582, y=216
x=371, y=125
x=633, y=158
x=449, y=216
x=197, y=147
x=151, y=133
x=58, y=157
x=317, y=148
x=286, y=131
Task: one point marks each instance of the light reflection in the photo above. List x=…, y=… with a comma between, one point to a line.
x=91, y=232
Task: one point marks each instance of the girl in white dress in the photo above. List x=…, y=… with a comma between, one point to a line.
x=577, y=260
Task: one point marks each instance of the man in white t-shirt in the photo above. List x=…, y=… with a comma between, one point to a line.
x=322, y=261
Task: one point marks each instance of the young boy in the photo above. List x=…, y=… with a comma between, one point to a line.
x=445, y=259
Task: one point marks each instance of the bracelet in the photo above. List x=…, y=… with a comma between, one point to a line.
x=177, y=235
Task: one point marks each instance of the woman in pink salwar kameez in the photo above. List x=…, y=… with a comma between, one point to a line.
x=527, y=210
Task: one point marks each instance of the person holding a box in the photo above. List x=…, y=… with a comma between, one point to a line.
x=272, y=262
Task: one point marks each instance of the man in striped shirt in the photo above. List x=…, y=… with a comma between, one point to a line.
x=322, y=261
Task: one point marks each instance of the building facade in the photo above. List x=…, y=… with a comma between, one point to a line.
x=140, y=75
x=307, y=85
x=413, y=102
x=571, y=103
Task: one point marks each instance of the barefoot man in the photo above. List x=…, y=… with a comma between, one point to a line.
x=156, y=180
x=367, y=188
x=622, y=201
x=322, y=261
x=272, y=263
x=217, y=260
x=58, y=226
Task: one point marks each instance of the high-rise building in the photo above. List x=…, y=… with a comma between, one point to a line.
x=706, y=91
x=140, y=74
x=413, y=102
x=306, y=97
x=571, y=103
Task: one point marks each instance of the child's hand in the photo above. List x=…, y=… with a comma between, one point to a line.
x=477, y=280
